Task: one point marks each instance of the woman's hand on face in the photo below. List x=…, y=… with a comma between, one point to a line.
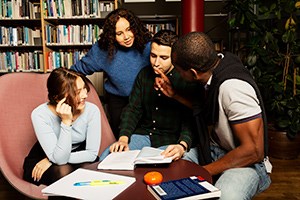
x=40, y=168
x=64, y=111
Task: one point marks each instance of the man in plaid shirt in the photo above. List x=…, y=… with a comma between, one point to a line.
x=151, y=118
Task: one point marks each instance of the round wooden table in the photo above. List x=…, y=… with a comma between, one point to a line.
x=138, y=190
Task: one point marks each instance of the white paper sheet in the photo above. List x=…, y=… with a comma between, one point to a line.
x=65, y=186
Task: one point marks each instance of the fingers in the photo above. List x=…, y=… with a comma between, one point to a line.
x=40, y=168
x=158, y=83
x=126, y=148
x=64, y=111
x=118, y=147
x=158, y=71
x=63, y=108
x=162, y=75
x=174, y=151
x=61, y=101
x=167, y=151
x=163, y=84
x=36, y=173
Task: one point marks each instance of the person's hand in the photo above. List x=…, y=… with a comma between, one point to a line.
x=175, y=151
x=64, y=111
x=163, y=84
x=40, y=168
x=121, y=145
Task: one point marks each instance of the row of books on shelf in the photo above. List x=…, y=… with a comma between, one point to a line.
x=17, y=36
x=72, y=34
x=154, y=28
x=21, y=61
x=14, y=61
x=56, y=59
x=19, y=9
x=80, y=8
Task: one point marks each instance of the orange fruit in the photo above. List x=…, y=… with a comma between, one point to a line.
x=153, y=178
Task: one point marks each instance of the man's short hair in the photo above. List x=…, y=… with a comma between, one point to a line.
x=194, y=50
x=165, y=37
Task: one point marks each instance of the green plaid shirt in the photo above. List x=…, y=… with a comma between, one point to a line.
x=150, y=112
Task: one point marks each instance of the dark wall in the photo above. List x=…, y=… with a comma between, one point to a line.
x=215, y=24
x=159, y=7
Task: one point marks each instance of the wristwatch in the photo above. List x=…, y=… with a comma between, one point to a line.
x=184, y=147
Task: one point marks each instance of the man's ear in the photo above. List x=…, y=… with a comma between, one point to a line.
x=194, y=73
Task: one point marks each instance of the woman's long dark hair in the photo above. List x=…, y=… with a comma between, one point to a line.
x=62, y=82
x=107, y=39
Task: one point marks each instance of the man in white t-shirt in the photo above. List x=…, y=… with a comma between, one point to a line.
x=235, y=149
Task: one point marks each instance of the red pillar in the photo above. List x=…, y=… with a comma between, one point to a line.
x=192, y=13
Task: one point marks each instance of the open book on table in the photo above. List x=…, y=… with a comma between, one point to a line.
x=127, y=160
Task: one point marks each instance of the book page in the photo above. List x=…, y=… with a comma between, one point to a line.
x=126, y=160
x=119, y=160
x=150, y=155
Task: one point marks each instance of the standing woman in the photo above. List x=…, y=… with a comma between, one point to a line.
x=121, y=52
x=67, y=128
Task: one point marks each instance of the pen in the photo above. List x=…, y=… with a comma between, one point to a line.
x=98, y=183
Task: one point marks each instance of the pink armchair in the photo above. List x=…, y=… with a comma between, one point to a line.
x=20, y=93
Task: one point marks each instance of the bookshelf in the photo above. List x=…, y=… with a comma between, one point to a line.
x=40, y=35
x=155, y=23
x=70, y=28
x=20, y=35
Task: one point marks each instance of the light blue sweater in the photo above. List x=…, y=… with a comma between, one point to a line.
x=58, y=140
x=121, y=71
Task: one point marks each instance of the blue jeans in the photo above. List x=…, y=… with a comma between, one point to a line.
x=137, y=142
x=241, y=183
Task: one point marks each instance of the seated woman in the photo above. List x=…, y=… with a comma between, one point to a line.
x=67, y=128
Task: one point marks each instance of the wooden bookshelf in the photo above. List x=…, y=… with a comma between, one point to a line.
x=26, y=25
x=70, y=33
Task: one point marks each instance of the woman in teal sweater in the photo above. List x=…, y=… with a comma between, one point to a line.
x=121, y=52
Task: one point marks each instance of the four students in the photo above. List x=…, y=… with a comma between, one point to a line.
x=148, y=101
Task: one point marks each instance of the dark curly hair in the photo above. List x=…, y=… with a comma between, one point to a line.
x=107, y=39
x=165, y=37
x=62, y=82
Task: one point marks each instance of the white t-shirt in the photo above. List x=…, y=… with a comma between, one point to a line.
x=237, y=102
